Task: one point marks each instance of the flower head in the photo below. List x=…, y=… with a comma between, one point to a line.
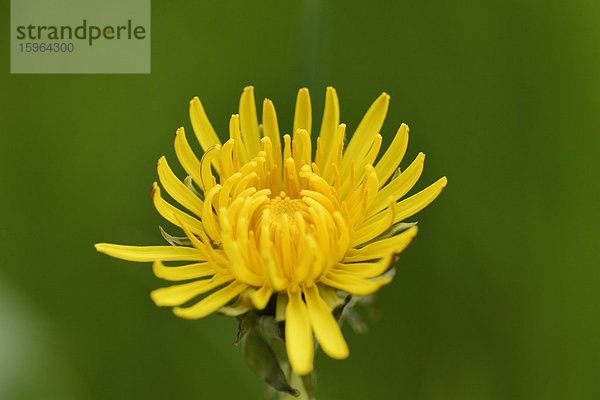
x=284, y=220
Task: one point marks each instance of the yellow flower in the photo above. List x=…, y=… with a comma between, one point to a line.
x=284, y=221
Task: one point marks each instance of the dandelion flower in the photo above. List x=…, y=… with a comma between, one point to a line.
x=284, y=220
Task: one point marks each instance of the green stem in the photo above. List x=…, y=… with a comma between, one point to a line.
x=296, y=382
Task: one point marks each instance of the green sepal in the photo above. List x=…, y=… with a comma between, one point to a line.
x=190, y=185
x=393, y=230
x=175, y=240
x=259, y=354
x=338, y=312
x=346, y=313
x=270, y=331
x=396, y=229
x=309, y=382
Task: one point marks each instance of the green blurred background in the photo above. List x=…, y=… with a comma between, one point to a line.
x=498, y=298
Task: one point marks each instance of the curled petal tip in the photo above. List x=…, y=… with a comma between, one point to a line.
x=155, y=189
x=153, y=297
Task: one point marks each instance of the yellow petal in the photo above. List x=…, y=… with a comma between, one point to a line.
x=360, y=199
x=393, y=156
x=172, y=213
x=227, y=187
x=186, y=157
x=179, y=294
x=183, y=272
x=249, y=121
x=375, y=225
x=302, y=147
x=238, y=265
x=329, y=153
x=177, y=189
x=150, y=253
x=382, y=248
x=202, y=128
x=303, y=112
x=399, y=186
x=227, y=166
x=209, y=218
x=211, y=303
x=261, y=297
x=271, y=129
x=240, y=149
x=349, y=283
x=292, y=187
x=274, y=274
x=369, y=127
x=417, y=202
x=324, y=325
x=210, y=157
x=331, y=297
x=298, y=335
x=330, y=122
x=362, y=166
x=239, y=307
x=366, y=269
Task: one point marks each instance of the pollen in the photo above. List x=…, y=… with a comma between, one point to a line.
x=283, y=204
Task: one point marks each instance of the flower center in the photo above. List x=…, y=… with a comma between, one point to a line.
x=284, y=209
x=285, y=233
x=277, y=223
